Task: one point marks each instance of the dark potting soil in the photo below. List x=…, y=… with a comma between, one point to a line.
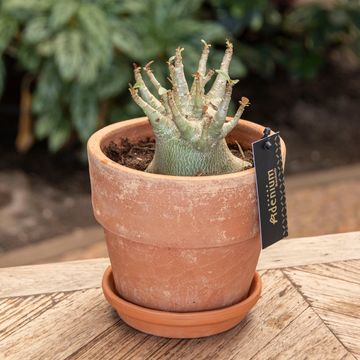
x=133, y=155
x=138, y=155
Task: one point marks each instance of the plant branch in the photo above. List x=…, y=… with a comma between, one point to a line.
x=157, y=120
x=208, y=76
x=204, y=58
x=197, y=96
x=145, y=92
x=244, y=102
x=173, y=81
x=181, y=84
x=220, y=115
x=185, y=127
x=217, y=90
x=151, y=76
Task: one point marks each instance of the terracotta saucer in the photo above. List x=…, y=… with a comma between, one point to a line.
x=180, y=325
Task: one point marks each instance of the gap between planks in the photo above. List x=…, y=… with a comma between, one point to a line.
x=336, y=300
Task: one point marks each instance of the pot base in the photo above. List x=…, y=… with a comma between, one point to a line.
x=175, y=324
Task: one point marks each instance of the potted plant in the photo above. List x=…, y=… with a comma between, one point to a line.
x=182, y=236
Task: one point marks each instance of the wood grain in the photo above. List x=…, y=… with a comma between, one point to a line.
x=15, y=313
x=62, y=329
x=342, y=270
x=335, y=300
x=325, y=293
x=305, y=338
x=346, y=328
x=311, y=250
x=119, y=342
x=348, y=356
x=49, y=278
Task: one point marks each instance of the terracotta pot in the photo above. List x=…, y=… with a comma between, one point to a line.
x=178, y=244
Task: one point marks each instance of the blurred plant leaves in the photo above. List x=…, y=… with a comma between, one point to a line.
x=8, y=28
x=68, y=53
x=62, y=12
x=113, y=80
x=80, y=52
x=83, y=110
x=36, y=30
x=45, y=124
x=27, y=58
x=49, y=90
x=60, y=135
x=25, y=10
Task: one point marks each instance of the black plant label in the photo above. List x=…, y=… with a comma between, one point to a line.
x=270, y=188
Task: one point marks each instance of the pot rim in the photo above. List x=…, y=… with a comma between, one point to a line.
x=94, y=147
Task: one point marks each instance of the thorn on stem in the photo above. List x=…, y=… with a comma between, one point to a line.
x=132, y=89
x=206, y=45
x=229, y=44
x=148, y=65
x=233, y=82
x=244, y=101
x=178, y=52
x=171, y=60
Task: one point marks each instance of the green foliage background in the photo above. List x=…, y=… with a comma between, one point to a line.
x=80, y=52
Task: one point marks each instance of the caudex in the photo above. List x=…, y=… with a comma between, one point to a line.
x=189, y=124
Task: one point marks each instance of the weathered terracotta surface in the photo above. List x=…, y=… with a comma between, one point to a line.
x=180, y=325
x=176, y=243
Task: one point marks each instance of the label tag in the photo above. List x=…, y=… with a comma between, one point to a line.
x=270, y=188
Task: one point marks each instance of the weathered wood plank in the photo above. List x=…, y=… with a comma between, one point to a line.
x=305, y=338
x=342, y=270
x=279, y=305
x=17, y=312
x=336, y=301
x=311, y=250
x=348, y=356
x=326, y=293
x=119, y=342
x=62, y=329
x=49, y=278
x=346, y=328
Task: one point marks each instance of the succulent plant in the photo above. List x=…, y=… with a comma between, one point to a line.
x=190, y=125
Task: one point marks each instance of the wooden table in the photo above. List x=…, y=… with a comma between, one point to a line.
x=310, y=308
